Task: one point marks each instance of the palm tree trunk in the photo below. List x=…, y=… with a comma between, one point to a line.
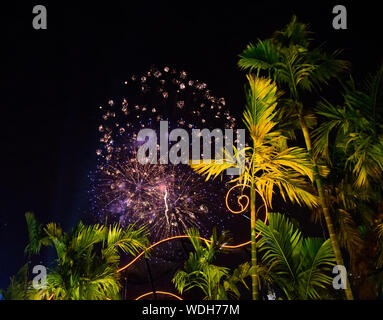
x=326, y=212
x=254, y=276
x=151, y=278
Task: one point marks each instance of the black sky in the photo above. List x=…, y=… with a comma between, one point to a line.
x=53, y=80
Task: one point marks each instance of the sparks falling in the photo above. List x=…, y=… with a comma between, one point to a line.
x=168, y=199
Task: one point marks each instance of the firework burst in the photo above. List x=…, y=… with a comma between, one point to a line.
x=168, y=199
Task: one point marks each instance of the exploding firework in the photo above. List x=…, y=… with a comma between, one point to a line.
x=168, y=199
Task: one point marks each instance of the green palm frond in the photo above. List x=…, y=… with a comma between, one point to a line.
x=353, y=130
x=365, y=159
x=87, y=236
x=181, y=281
x=36, y=235
x=295, y=72
x=298, y=266
x=241, y=273
x=318, y=257
x=327, y=66
x=280, y=243
x=295, y=33
x=130, y=240
x=53, y=230
x=261, y=56
x=291, y=61
x=336, y=119
x=103, y=286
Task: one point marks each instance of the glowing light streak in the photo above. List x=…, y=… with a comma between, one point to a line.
x=243, y=208
x=159, y=292
x=174, y=238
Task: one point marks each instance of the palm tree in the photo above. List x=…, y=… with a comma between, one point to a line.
x=87, y=258
x=268, y=163
x=351, y=140
x=298, y=266
x=216, y=282
x=288, y=58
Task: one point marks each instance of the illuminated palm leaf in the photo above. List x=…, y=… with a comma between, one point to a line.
x=298, y=265
x=288, y=58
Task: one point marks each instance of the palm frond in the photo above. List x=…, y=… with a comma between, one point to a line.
x=327, y=66
x=36, y=235
x=280, y=243
x=295, y=33
x=318, y=258
x=130, y=240
x=298, y=266
x=261, y=56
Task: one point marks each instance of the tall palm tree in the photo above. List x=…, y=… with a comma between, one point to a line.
x=87, y=258
x=216, y=282
x=290, y=60
x=269, y=164
x=351, y=139
x=298, y=266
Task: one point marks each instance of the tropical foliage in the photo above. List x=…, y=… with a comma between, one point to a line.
x=268, y=164
x=350, y=138
x=87, y=258
x=298, y=266
x=216, y=282
x=299, y=69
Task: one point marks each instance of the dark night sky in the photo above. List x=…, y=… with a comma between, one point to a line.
x=53, y=80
